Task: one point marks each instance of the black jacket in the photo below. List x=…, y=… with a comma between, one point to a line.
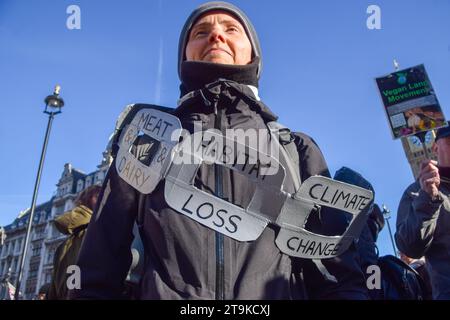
x=181, y=260
x=423, y=229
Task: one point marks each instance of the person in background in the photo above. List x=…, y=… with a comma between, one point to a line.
x=43, y=291
x=423, y=217
x=420, y=266
x=72, y=223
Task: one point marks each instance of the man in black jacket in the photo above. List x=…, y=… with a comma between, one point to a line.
x=423, y=217
x=219, y=67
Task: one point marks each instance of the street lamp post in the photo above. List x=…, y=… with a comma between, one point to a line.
x=53, y=105
x=387, y=216
x=2, y=236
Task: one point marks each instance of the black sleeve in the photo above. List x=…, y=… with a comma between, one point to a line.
x=311, y=158
x=417, y=217
x=346, y=268
x=105, y=256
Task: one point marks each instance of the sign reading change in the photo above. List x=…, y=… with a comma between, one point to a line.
x=410, y=102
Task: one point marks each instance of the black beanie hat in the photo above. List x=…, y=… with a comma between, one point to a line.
x=224, y=6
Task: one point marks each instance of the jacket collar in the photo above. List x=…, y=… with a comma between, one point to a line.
x=201, y=100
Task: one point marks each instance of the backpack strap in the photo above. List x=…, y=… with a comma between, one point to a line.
x=284, y=137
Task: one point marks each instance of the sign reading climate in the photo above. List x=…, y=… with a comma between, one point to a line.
x=410, y=102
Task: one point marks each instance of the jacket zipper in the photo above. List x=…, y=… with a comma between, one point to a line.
x=218, y=174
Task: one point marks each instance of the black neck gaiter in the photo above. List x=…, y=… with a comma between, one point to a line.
x=196, y=74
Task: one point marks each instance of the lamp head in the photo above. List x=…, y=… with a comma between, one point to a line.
x=54, y=102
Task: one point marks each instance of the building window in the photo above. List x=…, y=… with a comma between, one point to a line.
x=15, y=265
x=11, y=247
x=32, y=273
x=88, y=182
x=63, y=190
x=43, y=216
x=59, y=210
x=68, y=206
x=39, y=232
x=48, y=278
x=19, y=245
x=30, y=286
x=79, y=185
x=99, y=177
x=36, y=249
x=51, y=255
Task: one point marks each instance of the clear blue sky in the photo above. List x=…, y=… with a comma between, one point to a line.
x=320, y=61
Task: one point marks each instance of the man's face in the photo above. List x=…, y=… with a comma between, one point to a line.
x=220, y=38
x=442, y=150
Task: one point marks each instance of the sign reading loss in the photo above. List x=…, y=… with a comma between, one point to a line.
x=211, y=211
x=294, y=240
x=145, y=148
x=410, y=102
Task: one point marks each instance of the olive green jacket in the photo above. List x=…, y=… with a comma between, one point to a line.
x=72, y=223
